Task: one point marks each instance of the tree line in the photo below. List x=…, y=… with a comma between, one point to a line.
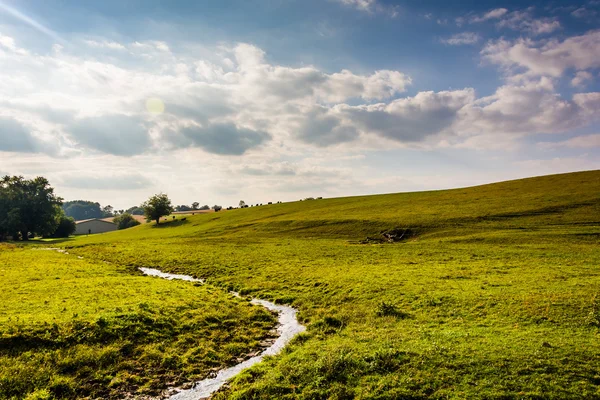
x=30, y=208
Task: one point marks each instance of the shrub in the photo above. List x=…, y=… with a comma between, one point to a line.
x=125, y=221
x=66, y=227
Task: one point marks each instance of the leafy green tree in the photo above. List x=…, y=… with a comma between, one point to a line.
x=108, y=211
x=125, y=221
x=242, y=203
x=195, y=205
x=82, y=209
x=29, y=206
x=217, y=208
x=66, y=227
x=156, y=207
x=136, y=210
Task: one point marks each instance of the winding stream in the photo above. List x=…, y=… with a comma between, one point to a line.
x=288, y=328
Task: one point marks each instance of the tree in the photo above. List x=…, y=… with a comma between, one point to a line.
x=242, y=203
x=125, y=221
x=217, y=208
x=156, y=207
x=82, y=209
x=195, y=205
x=28, y=206
x=108, y=211
x=136, y=210
x=66, y=227
x=205, y=207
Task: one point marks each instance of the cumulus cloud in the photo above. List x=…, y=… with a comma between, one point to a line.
x=581, y=78
x=225, y=105
x=222, y=138
x=527, y=109
x=323, y=127
x=235, y=102
x=551, y=58
x=462, y=39
x=410, y=119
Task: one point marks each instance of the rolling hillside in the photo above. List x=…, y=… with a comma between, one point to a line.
x=571, y=199
x=495, y=294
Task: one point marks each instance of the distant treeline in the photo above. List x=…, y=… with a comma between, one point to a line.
x=83, y=209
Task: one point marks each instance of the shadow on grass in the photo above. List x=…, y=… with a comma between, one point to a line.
x=39, y=241
x=171, y=223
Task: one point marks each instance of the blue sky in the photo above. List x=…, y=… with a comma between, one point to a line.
x=217, y=101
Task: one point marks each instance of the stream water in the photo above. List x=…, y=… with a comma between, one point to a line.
x=288, y=328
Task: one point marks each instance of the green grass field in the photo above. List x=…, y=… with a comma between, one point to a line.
x=495, y=294
x=72, y=328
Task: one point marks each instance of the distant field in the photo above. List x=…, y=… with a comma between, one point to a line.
x=493, y=293
x=72, y=328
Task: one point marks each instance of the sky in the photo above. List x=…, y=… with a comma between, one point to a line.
x=278, y=100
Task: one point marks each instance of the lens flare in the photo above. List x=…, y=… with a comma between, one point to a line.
x=155, y=105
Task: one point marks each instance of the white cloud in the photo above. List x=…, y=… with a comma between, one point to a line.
x=371, y=6
x=235, y=103
x=219, y=105
x=8, y=43
x=462, y=38
x=526, y=109
x=524, y=21
x=550, y=58
x=492, y=14
x=105, y=44
x=410, y=119
x=581, y=78
x=518, y=20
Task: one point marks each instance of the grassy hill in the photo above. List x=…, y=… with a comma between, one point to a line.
x=570, y=199
x=494, y=294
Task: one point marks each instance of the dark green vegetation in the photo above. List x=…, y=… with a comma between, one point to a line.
x=29, y=207
x=491, y=292
x=125, y=221
x=156, y=207
x=82, y=209
x=73, y=328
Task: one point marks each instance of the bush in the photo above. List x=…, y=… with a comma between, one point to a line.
x=66, y=227
x=125, y=221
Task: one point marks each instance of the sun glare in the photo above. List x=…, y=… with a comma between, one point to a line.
x=155, y=105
